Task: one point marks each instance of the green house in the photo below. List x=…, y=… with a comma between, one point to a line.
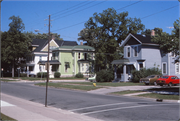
x=73, y=59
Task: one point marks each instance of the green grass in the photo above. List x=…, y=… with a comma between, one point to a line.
x=86, y=86
x=7, y=80
x=67, y=86
x=6, y=118
x=160, y=96
x=106, y=83
x=126, y=92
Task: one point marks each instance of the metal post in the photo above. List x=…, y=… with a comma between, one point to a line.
x=47, y=66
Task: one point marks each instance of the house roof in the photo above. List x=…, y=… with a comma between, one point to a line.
x=138, y=39
x=43, y=42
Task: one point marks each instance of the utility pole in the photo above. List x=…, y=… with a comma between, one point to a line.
x=48, y=63
x=0, y=60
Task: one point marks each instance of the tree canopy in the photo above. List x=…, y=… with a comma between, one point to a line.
x=105, y=31
x=15, y=45
x=167, y=42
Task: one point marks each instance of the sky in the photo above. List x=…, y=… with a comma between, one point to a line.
x=69, y=16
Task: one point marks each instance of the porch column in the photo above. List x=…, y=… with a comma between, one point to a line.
x=27, y=71
x=124, y=73
x=115, y=72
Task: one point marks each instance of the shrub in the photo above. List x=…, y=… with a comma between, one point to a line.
x=23, y=75
x=57, y=75
x=105, y=76
x=142, y=73
x=43, y=74
x=79, y=75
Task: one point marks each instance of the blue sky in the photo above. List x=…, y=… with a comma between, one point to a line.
x=68, y=17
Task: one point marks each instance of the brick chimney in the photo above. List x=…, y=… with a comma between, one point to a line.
x=81, y=43
x=152, y=32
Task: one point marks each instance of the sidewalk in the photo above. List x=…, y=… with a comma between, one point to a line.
x=23, y=110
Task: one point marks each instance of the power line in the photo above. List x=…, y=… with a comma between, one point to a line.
x=159, y=12
x=119, y=9
x=74, y=8
x=86, y=21
x=81, y=9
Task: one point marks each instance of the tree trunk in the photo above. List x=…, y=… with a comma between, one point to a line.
x=13, y=69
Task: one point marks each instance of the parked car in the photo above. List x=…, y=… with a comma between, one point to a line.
x=168, y=80
x=92, y=79
x=150, y=79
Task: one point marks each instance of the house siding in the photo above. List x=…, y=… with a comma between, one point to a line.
x=152, y=56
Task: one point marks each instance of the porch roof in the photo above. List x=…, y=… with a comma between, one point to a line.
x=121, y=61
x=52, y=62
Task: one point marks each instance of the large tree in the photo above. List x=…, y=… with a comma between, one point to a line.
x=15, y=45
x=105, y=31
x=167, y=42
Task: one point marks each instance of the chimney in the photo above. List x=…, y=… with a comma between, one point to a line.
x=152, y=32
x=81, y=43
x=53, y=37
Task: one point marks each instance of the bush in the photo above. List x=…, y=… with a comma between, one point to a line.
x=79, y=75
x=105, y=76
x=57, y=75
x=144, y=73
x=44, y=74
x=23, y=75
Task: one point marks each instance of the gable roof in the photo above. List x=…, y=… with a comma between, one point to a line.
x=145, y=40
x=41, y=43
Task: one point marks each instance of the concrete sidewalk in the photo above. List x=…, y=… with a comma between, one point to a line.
x=120, y=88
x=23, y=110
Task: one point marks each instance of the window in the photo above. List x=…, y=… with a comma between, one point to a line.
x=177, y=68
x=52, y=47
x=135, y=51
x=31, y=68
x=128, y=52
x=79, y=55
x=85, y=56
x=40, y=58
x=164, y=68
x=67, y=66
x=141, y=65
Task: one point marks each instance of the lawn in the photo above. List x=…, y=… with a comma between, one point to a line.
x=160, y=96
x=70, y=86
x=6, y=118
x=6, y=80
x=86, y=86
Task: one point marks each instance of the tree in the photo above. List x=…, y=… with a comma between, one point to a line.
x=168, y=42
x=105, y=31
x=15, y=45
x=32, y=36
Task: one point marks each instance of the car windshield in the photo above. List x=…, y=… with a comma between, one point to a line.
x=152, y=76
x=165, y=77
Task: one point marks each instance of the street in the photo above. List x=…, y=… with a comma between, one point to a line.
x=105, y=107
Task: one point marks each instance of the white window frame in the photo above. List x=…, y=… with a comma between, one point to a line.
x=129, y=51
x=163, y=68
x=135, y=51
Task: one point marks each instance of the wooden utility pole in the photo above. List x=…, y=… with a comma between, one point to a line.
x=48, y=62
x=0, y=60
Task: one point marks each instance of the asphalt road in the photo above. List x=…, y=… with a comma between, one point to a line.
x=105, y=107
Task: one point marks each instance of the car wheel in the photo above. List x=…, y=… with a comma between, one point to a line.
x=161, y=84
x=170, y=84
x=155, y=83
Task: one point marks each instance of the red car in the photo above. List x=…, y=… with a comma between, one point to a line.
x=168, y=80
